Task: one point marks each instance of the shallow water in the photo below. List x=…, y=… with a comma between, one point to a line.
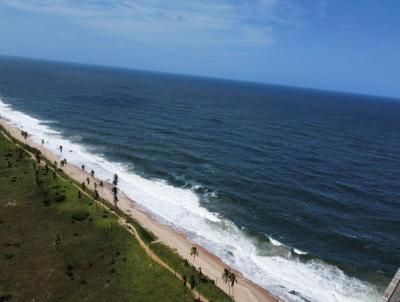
x=298, y=189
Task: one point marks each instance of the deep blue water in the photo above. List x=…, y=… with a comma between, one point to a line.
x=317, y=171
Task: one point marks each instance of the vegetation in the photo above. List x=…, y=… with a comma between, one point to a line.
x=67, y=245
x=230, y=279
x=204, y=285
x=55, y=246
x=194, y=253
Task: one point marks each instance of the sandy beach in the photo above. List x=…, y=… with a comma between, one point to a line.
x=212, y=266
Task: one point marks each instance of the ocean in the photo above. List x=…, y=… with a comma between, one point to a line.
x=298, y=189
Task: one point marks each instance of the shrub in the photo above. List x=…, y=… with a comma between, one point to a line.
x=5, y=296
x=60, y=198
x=80, y=215
x=9, y=255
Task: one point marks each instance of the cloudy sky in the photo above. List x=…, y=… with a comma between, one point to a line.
x=345, y=45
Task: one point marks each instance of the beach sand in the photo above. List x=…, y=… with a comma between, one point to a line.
x=211, y=265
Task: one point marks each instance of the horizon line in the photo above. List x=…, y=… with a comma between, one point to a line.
x=360, y=94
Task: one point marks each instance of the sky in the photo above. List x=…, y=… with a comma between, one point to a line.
x=342, y=45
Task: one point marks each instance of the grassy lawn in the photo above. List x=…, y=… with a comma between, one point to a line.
x=55, y=246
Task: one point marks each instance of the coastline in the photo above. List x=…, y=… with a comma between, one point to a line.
x=211, y=265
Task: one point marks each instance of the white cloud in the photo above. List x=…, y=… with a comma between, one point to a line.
x=220, y=23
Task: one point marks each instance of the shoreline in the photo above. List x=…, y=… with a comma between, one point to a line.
x=211, y=265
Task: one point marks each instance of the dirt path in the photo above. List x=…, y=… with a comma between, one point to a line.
x=126, y=225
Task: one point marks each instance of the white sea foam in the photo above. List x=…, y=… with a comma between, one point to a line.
x=299, y=252
x=274, y=242
x=287, y=277
x=277, y=243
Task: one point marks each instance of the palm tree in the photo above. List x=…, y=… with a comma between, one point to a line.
x=24, y=134
x=193, y=283
x=194, y=253
x=101, y=186
x=115, y=180
x=37, y=155
x=115, y=200
x=201, y=276
x=80, y=198
x=58, y=244
x=232, y=280
x=184, y=279
x=115, y=190
x=225, y=278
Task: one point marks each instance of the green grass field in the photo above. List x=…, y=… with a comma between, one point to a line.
x=57, y=247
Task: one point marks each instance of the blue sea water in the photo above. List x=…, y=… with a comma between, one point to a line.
x=298, y=189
